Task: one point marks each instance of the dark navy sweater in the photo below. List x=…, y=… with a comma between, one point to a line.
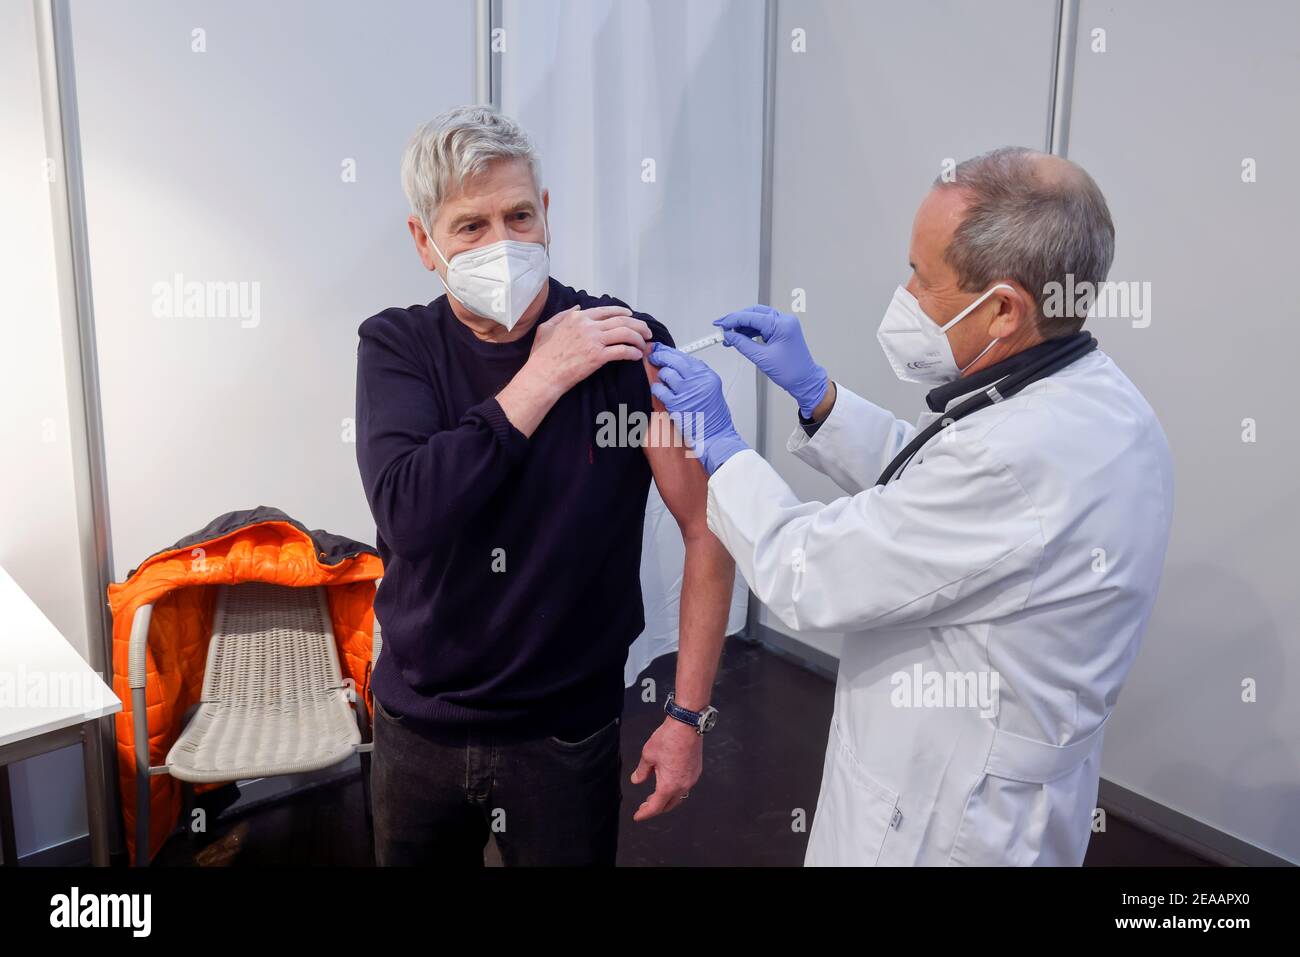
x=511, y=587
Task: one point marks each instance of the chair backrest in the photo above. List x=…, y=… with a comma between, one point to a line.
x=270, y=643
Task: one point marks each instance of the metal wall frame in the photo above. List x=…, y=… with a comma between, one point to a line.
x=1062, y=88
x=754, y=630
x=81, y=362
x=488, y=16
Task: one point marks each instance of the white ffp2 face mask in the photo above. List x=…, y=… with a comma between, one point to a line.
x=498, y=281
x=916, y=346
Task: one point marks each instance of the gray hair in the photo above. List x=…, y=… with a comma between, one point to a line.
x=1033, y=218
x=458, y=144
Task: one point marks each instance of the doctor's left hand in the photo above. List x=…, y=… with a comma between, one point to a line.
x=692, y=393
x=675, y=752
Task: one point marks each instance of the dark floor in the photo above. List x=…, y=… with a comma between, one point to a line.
x=770, y=739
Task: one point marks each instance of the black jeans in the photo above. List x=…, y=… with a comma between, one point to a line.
x=438, y=797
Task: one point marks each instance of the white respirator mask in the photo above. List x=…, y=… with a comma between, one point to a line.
x=917, y=346
x=499, y=281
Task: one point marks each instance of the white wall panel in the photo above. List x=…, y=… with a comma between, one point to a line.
x=1164, y=118
x=226, y=166
x=882, y=95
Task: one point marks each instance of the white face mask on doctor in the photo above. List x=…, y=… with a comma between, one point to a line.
x=498, y=281
x=917, y=346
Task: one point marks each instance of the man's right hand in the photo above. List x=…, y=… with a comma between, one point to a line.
x=575, y=343
x=567, y=348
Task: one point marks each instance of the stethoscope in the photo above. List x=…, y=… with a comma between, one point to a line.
x=1075, y=347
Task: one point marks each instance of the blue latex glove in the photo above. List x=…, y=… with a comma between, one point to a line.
x=692, y=394
x=782, y=355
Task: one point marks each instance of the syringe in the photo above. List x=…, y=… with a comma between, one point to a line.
x=699, y=344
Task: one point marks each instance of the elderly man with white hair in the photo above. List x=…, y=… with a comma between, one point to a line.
x=994, y=566
x=510, y=526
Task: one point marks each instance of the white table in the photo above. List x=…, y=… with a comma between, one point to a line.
x=49, y=699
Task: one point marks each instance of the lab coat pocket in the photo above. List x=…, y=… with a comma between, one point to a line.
x=854, y=813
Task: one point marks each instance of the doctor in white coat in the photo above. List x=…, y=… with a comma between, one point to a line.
x=995, y=588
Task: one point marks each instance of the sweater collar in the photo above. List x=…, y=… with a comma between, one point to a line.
x=940, y=398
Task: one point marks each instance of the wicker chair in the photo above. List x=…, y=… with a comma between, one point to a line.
x=273, y=700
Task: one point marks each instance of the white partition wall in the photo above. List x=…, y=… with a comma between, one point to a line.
x=253, y=149
x=41, y=531
x=1185, y=114
x=871, y=100
x=648, y=115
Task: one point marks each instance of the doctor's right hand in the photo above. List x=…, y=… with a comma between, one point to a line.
x=783, y=355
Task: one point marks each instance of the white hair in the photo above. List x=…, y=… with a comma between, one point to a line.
x=458, y=144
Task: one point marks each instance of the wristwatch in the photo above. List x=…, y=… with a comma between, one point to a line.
x=701, y=721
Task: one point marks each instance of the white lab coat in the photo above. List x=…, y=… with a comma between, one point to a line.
x=1024, y=542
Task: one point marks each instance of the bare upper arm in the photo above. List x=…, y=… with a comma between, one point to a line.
x=679, y=476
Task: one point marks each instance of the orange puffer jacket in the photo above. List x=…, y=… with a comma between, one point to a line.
x=255, y=545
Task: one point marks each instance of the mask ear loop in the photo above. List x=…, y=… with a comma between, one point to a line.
x=967, y=311
x=963, y=314
x=445, y=284
x=962, y=371
x=429, y=232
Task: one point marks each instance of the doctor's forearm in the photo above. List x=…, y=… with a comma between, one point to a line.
x=707, y=584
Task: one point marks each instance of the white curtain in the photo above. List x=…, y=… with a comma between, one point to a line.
x=648, y=118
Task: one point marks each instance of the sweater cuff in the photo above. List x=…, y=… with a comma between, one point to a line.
x=810, y=426
x=513, y=442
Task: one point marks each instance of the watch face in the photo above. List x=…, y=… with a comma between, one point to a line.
x=708, y=720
